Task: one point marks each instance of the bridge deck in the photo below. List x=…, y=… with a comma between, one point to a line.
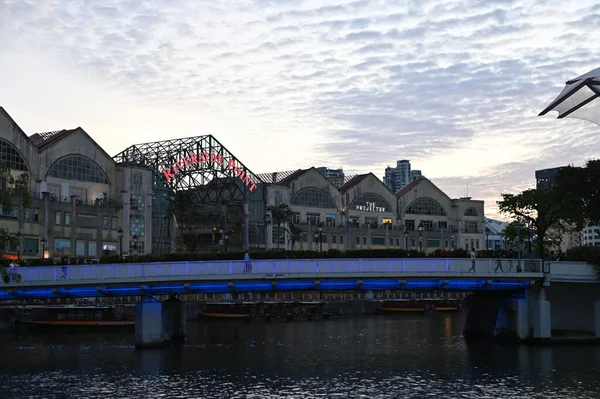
x=283, y=274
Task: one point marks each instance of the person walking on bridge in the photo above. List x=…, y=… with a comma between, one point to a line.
x=247, y=263
x=473, y=257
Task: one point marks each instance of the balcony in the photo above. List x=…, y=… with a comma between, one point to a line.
x=101, y=202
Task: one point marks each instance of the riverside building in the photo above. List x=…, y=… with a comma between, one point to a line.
x=192, y=194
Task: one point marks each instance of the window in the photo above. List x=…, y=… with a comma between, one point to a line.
x=92, y=248
x=136, y=178
x=425, y=206
x=341, y=239
x=67, y=218
x=31, y=246
x=296, y=218
x=370, y=202
x=471, y=227
x=433, y=243
x=58, y=218
x=80, y=248
x=78, y=167
x=113, y=223
x=313, y=198
x=9, y=213
x=137, y=247
x=11, y=157
x=137, y=225
x=358, y=240
x=329, y=219
x=364, y=240
x=137, y=202
x=278, y=197
x=334, y=239
x=410, y=225
x=313, y=219
x=105, y=222
x=471, y=212
x=28, y=215
x=278, y=235
x=36, y=215
x=386, y=221
x=378, y=240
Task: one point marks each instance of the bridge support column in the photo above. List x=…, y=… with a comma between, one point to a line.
x=173, y=313
x=597, y=318
x=542, y=321
x=149, y=326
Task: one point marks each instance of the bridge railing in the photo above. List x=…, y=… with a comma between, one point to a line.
x=270, y=268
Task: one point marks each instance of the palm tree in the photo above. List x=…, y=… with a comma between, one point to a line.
x=278, y=215
x=296, y=235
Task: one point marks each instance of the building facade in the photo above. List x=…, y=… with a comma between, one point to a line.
x=400, y=176
x=361, y=212
x=87, y=204
x=81, y=198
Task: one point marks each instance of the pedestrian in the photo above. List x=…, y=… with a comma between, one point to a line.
x=247, y=263
x=473, y=257
x=498, y=266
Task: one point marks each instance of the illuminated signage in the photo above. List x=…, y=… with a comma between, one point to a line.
x=370, y=207
x=212, y=159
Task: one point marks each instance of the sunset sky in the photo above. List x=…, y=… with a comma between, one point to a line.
x=454, y=86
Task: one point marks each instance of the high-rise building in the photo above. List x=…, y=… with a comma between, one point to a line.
x=546, y=178
x=331, y=173
x=400, y=176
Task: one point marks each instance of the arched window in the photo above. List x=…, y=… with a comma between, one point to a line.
x=370, y=202
x=425, y=206
x=11, y=157
x=471, y=212
x=77, y=167
x=314, y=198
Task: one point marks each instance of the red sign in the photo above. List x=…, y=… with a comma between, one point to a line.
x=208, y=158
x=10, y=256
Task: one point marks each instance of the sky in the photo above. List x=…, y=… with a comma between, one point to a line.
x=454, y=86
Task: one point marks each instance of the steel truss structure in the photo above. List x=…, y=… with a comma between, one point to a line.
x=203, y=169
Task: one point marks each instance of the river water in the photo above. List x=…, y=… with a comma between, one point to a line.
x=354, y=357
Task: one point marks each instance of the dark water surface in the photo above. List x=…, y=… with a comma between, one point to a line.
x=354, y=357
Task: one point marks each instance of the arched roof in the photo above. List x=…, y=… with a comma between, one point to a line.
x=370, y=202
x=314, y=198
x=78, y=167
x=425, y=206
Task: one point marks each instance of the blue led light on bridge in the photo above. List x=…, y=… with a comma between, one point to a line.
x=338, y=285
x=294, y=285
x=252, y=286
x=216, y=288
x=375, y=285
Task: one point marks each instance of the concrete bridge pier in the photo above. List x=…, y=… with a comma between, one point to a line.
x=158, y=324
x=542, y=317
x=597, y=319
x=497, y=315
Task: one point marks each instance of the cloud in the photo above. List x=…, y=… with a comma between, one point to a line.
x=454, y=86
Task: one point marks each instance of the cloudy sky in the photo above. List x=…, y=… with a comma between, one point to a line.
x=454, y=86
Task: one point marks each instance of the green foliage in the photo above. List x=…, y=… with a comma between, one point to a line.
x=579, y=190
x=7, y=275
x=542, y=210
x=14, y=188
x=587, y=254
x=296, y=234
x=278, y=215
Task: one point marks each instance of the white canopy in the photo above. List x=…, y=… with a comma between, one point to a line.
x=579, y=99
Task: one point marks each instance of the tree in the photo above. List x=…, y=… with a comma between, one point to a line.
x=296, y=234
x=542, y=210
x=279, y=215
x=579, y=191
x=12, y=188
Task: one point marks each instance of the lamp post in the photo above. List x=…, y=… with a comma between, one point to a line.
x=405, y=238
x=487, y=238
x=135, y=239
x=120, y=235
x=226, y=237
x=518, y=244
x=421, y=228
x=19, y=236
x=44, y=242
x=453, y=238
x=319, y=236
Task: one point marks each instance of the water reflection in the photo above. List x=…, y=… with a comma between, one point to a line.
x=374, y=357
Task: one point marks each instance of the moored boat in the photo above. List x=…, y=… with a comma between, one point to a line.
x=86, y=316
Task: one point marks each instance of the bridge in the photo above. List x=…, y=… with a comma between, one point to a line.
x=509, y=298
x=147, y=279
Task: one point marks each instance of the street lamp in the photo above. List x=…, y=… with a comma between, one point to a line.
x=120, y=235
x=19, y=236
x=421, y=228
x=135, y=239
x=226, y=237
x=453, y=237
x=405, y=239
x=519, y=244
x=44, y=242
x=487, y=238
x=319, y=235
